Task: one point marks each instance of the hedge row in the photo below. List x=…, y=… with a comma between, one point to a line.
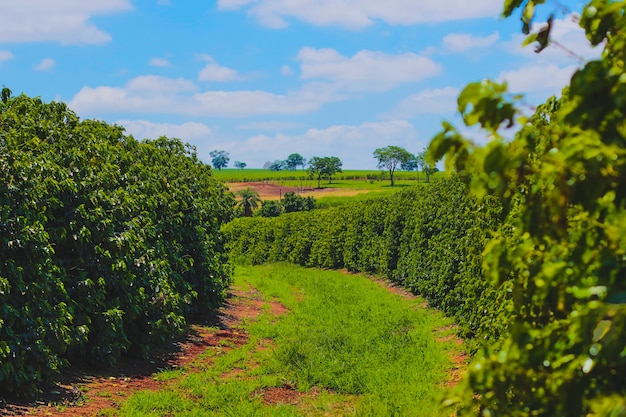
x=428, y=239
x=107, y=244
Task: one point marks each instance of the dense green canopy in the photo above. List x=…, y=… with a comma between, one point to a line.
x=107, y=244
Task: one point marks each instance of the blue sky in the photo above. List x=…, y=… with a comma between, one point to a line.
x=262, y=79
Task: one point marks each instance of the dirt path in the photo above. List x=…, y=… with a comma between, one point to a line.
x=85, y=392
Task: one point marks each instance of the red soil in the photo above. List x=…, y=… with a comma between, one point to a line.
x=270, y=191
x=82, y=391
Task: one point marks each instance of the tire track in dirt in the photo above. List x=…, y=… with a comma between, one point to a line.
x=82, y=391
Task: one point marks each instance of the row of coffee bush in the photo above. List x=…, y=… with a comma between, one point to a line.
x=428, y=239
x=107, y=244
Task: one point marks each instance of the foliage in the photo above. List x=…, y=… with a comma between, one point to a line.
x=219, y=159
x=107, y=244
x=248, y=200
x=428, y=239
x=334, y=201
x=324, y=167
x=425, y=164
x=564, y=175
x=289, y=203
x=240, y=165
x=410, y=164
x=295, y=160
x=392, y=157
x=277, y=165
x=292, y=202
x=270, y=208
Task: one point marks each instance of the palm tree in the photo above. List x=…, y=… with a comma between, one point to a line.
x=248, y=200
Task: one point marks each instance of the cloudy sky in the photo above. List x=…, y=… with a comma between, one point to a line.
x=262, y=79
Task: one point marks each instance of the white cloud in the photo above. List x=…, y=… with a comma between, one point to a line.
x=272, y=125
x=65, y=21
x=255, y=102
x=366, y=70
x=215, y=72
x=157, y=84
x=46, y=64
x=353, y=144
x=187, y=132
x=461, y=42
x=6, y=56
x=286, y=70
x=212, y=71
x=359, y=14
x=437, y=101
x=233, y=4
x=153, y=94
x=159, y=62
x=538, y=82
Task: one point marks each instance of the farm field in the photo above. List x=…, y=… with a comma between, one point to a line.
x=294, y=178
x=272, y=185
x=295, y=341
x=274, y=191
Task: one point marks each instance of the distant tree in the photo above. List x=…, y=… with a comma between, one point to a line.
x=6, y=94
x=294, y=160
x=292, y=202
x=391, y=157
x=270, y=208
x=315, y=169
x=248, y=200
x=240, y=165
x=424, y=164
x=410, y=165
x=277, y=165
x=324, y=167
x=219, y=159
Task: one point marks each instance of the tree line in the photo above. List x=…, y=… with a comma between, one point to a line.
x=389, y=158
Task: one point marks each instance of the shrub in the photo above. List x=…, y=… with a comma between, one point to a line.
x=107, y=244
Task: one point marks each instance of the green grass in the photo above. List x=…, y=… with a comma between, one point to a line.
x=298, y=176
x=334, y=201
x=363, y=350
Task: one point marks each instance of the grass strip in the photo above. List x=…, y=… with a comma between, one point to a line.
x=346, y=347
x=301, y=177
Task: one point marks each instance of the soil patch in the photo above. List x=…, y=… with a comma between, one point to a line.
x=280, y=395
x=84, y=391
x=271, y=191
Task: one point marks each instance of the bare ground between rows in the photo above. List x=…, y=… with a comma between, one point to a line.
x=82, y=391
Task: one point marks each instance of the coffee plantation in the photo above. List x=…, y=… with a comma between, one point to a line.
x=107, y=244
